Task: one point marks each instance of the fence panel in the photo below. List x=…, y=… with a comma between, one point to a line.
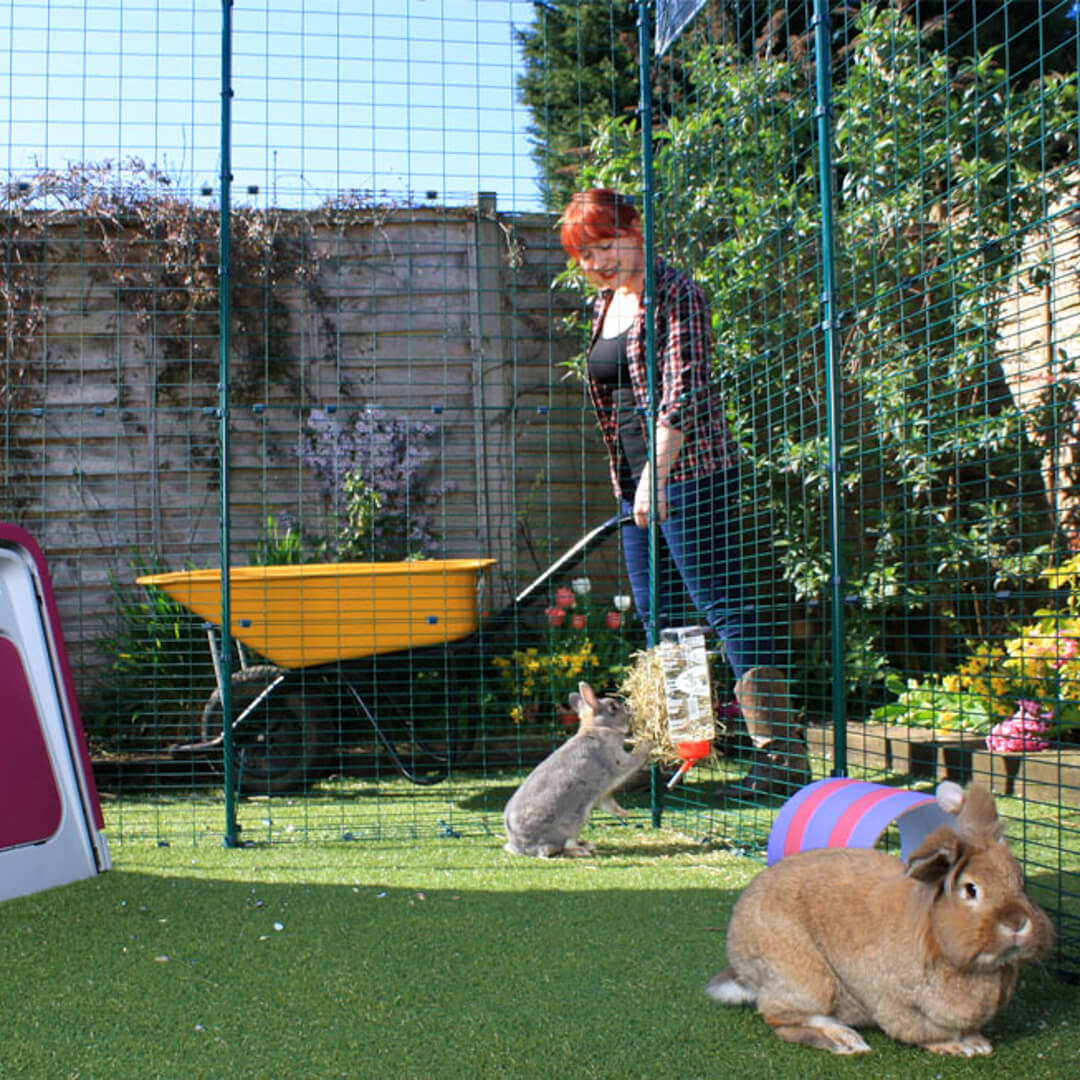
x=917, y=511
x=896, y=364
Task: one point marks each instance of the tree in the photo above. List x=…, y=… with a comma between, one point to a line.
x=580, y=69
x=581, y=58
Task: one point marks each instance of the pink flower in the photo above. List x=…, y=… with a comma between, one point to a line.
x=564, y=597
x=999, y=743
x=1020, y=733
x=1068, y=648
x=613, y=620
x=578, y=620
x=556, y=616
x=1028, y=711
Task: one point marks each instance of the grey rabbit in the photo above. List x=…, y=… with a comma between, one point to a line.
x=546, y=814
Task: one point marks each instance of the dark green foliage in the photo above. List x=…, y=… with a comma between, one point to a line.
x=581, y=68
x=158, y=673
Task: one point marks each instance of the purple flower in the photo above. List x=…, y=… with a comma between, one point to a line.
x=392, y=460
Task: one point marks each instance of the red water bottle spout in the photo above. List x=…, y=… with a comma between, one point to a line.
x=691, y=752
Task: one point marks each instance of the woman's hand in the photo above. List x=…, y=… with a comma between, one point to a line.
x=643, y=500
x=668, y=444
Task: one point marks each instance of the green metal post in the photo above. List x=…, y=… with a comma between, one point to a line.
x=829, y=324
x=648, y=299
x=647, y=302
x=224, y=341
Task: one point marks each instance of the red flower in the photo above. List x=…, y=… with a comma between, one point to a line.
x=578, y=621
x=556, y=616
x=564, y=597
x=613, y=619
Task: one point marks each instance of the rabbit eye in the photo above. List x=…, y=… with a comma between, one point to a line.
x=971, y=890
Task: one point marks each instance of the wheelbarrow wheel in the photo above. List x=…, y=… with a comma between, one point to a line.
x=285, y=743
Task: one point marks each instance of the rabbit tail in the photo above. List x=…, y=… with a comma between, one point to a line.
x=727, y=989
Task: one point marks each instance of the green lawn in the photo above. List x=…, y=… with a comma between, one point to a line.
x=436, y=956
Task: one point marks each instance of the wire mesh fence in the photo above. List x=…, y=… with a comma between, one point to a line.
x=878, y=206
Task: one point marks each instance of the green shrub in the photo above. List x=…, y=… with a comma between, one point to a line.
x=1035, y=672
x=281, y=544
x=158, y=672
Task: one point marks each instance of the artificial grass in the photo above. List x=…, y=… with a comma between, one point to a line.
x=442, y=957
x=387, y=807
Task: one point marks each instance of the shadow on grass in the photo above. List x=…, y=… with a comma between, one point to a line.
x=471, y=804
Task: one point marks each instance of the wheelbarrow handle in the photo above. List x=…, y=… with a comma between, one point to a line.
x=572, y=557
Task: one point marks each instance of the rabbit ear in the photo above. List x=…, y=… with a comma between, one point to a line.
x=950, y=796
x=589, y=694
x=936, y=856
x=978, y=817
x=575, y=702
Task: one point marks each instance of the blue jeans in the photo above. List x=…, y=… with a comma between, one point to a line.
x=699, y=549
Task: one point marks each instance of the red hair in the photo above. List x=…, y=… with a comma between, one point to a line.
x=594, y=215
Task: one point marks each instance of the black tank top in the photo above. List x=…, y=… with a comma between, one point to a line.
x=608, y=366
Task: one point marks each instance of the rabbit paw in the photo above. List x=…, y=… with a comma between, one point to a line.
x=821, y=1032
x=612, y=807
x=578, y=849
x=970, y=1045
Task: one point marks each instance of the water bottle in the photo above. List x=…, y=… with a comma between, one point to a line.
x=687, y=695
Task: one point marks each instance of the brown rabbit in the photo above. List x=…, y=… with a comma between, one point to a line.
x=830, y=940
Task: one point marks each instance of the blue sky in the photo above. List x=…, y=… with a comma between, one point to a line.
x=384, y=96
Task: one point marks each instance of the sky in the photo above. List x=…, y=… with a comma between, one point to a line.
x=400, y=98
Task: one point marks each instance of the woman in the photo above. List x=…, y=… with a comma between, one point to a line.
x=696, y=464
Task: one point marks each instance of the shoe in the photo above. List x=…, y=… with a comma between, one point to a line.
x=780, y=763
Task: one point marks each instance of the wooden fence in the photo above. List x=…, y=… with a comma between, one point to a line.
x=440, y=316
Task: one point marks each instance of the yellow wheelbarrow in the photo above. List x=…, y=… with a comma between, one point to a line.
x=397, y=644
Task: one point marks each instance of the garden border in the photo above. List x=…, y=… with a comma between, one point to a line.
x=1048, y=776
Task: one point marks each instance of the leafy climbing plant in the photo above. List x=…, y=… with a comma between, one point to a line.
x=943, y=170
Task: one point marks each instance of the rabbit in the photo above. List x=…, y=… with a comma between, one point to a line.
x=546, y=814
x=829, y=940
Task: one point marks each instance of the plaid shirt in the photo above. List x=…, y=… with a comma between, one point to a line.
x=689, y=400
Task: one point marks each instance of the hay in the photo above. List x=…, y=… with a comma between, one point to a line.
x=643, y=689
